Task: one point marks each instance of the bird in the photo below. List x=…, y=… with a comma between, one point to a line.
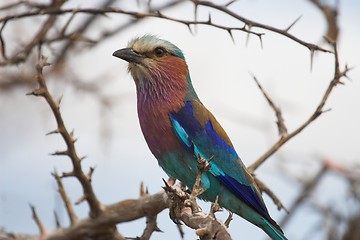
x=178, y=129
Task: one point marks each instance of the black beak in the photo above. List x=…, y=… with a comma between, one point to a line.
x=128, y=55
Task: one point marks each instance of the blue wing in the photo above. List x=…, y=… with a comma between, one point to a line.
x=202, y=135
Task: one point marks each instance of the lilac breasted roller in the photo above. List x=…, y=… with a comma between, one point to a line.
x=178, y=128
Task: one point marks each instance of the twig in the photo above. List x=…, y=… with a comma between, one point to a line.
x=151, y=220
x=338, y=75
x=330, y=15
x=37, y=39
x=94, y=204
x=12, y=5
x=2, y=42
x=307, y=189
x=123, y=211
x=251, y=24
x=43, y=231
x=69, y=209
x=262, y=186
x=280, y=120
x=82, y=28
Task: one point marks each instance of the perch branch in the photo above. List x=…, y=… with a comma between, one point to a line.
x=183, y=207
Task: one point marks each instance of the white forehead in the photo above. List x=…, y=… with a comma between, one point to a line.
x=148, y=43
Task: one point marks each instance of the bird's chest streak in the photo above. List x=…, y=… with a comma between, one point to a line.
x=154, y=109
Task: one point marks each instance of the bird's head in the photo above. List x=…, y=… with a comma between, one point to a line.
x=153, y=60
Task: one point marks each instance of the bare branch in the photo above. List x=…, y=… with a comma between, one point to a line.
x=280, y=120
x=94, y=204
x=43, y=231
x=252, y=24
x=307, y=189
x=338, y=75
x=330, y=15
x=262, y=186
x=113, y=214
x=69, y=209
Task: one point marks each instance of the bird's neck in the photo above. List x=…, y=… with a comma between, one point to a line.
x=164, y=88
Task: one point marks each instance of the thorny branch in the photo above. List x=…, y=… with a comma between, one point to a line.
x=89, y=195
x=280, y=120
x=54, y=10
x=337, y=79
x=69, y=208
x=103, y=218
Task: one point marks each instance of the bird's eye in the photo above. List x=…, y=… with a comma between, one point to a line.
x=159, y=52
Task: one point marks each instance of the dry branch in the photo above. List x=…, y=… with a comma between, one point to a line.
x=183, y=207
x=337, y=79
x=69, y=208
x=280, y=119
x=54, y=10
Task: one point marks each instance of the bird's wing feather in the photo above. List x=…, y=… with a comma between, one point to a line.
x=202, y=135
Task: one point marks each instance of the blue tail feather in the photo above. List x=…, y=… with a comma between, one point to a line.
x=273, y=231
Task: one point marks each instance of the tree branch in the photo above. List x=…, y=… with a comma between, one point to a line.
x=338, y=75
x=94, y=204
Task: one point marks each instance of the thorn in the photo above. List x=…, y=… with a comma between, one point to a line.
x=167, y=186
x=82, y=158
x=189, y=27
x=67, y=174
x=149, y=4
x=209, y=19
x=90, y=173
x=142, y=189
x=57, y=220
x=215, y=207
x=37, y=92
x=157, y=229
x=195, y=17
x=56, y=131
x=248, y=35
x=181, y=231
x=30, y=93
x=159, y=13
x=312, y=52
x=54, y=173
x=231, y=35
x=229, y=3
x=328, y=40
x=261, y=41
x=59, y=100
x=60, y=153
x=326, y=110
x=292, y=24
x=81, y=199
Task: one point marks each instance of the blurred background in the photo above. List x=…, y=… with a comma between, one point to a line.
x=99, y=103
